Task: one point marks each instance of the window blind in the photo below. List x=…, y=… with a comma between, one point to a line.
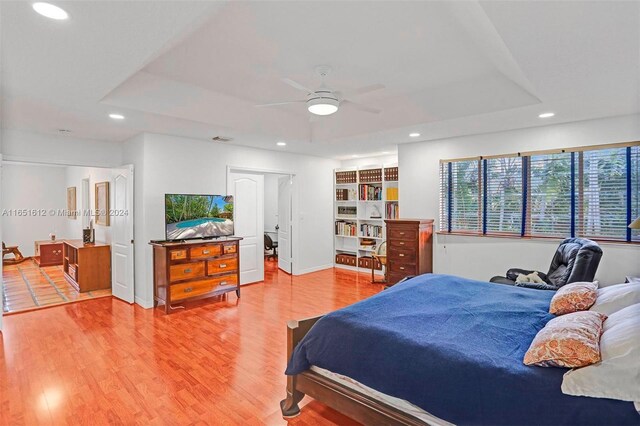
x=549, y=204
x=634, y=174
x=592, y=193
x=604, y=194
x=504, y=195
x=460, y=196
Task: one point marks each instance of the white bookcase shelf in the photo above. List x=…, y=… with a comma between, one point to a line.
x=364, y=197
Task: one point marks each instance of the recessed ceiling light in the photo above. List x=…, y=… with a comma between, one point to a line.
x=385, y=152
x=354, y=156
x=117, y=116
x=50, y=11
x=414, y=135
x=281, y=143
x=547, y=114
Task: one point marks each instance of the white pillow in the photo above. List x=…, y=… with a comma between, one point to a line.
x=617, y=376
x=613, y=298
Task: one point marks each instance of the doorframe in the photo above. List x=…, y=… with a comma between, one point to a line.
x=28, y=160
x=295, y=216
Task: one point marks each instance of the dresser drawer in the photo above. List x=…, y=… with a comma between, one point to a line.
x=402, y=267
x=402, y=244
x=186, y=271
x=180, y=254
x=230, y=248
x=405, y=255
x=198, y=288
x=204, y=252
x=393, y=278
x=397, y=233
x=219, y=266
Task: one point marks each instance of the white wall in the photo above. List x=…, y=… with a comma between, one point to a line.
x=74, y=177
x=482, y=257
x=171, y=164
x=21, y=145
x=38, y=187
x=270, y=202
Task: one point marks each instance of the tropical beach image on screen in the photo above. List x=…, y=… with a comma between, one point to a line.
x=198, y=216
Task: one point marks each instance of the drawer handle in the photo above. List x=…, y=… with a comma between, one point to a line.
x=401, y=233
x=402, y=268
x=223, y=265
x=401, y=255
x=187, y=271
x=401, y=243
x=205, y=251
x=223, y=283
x=188, y=289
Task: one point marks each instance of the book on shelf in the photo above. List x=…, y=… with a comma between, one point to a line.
x=347, y=211
x=391, y=173
x=372, y=175
x=346, y=177
x=392, y=193
x=345, y=229
x=368, y=230
x=370, y=192
x=392, y=210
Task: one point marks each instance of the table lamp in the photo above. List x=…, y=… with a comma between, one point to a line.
x=635, y=224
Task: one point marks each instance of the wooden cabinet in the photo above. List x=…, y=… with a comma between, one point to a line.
x=188, y=271
x=409, y=248
x=48, y=253
x=87, y=267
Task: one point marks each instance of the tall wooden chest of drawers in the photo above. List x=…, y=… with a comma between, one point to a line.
x=196, y=270
x=409, y=248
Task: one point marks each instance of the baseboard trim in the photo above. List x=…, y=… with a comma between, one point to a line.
x=144, y=303
x=314, y=269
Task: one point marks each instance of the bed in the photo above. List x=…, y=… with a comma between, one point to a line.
x=448, y=346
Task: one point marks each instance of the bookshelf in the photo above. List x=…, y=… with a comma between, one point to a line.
x=364, y=197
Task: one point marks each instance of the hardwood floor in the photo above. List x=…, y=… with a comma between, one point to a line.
x=28, y=287
x=106, y=362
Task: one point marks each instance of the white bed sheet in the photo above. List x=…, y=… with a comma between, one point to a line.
x=398, y=403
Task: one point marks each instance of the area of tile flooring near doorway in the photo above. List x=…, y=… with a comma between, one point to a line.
x=28, y=287
x=220, y=361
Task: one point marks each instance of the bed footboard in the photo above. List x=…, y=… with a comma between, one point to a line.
x=296, y=330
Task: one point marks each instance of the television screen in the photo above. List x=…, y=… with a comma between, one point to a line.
x=197, y=216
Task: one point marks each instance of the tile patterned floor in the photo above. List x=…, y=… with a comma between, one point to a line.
x=28, y=287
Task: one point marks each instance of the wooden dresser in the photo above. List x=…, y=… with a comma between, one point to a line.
x=185, y=271
x=48, y=253
x=87, y=267
x=409, y=248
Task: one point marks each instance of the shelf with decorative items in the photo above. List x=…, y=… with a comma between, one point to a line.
x=365, y=197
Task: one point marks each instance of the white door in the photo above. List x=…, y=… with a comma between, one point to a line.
x=284, y=223
x=122, y=234
x=248, y=197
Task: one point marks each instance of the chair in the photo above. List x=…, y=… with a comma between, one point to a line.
x=380, y=254
x=269, y=245
x=576, y=259
x=15, y=251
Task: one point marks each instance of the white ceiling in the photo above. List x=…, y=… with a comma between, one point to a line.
x=197, y=69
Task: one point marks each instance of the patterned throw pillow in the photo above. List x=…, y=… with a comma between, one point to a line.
x=572, y=340
x=574, y=297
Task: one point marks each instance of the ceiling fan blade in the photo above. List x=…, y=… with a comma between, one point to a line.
x=363, y=90
x=360, y=107
x=297, y=85
x=280, y=103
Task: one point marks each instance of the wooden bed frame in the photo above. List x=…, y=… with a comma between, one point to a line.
x=349, y=402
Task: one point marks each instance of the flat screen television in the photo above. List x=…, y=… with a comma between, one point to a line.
x=189, y=216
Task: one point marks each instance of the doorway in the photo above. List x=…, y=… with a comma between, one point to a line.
x=45, y=209
x=263, y=218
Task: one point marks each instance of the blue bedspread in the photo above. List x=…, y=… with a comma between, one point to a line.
x=454, y=347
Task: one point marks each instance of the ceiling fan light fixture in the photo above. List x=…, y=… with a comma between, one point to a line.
x=322, y=105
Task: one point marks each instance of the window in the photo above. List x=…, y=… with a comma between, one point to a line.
x=549, y=192
x=590, y=192
x=460, y=196
x=503, y=192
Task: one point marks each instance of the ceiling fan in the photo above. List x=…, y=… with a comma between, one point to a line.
x=324, y=101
